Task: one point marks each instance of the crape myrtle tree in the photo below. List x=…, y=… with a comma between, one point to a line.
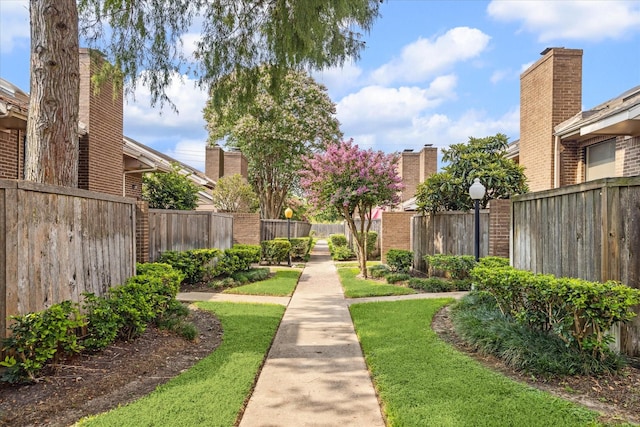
x=483, y=158
x=275, y=132
x=353, y=182
x=142, y=42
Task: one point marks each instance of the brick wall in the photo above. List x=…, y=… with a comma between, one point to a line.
x=428, y=162
x=133, y=185
x=11, y=154
x=101, y=163
x=499, y=227
x=628, y=156
x=395, y=232
x=550, y=93
x=142, y=232
x=246, y=228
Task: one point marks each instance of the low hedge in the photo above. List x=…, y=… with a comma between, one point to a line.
x=454, y=266
x=577, y=311
x=275, y=251
x=124, y=312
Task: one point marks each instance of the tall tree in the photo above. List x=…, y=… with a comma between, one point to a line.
x=353, y=181
x=51, y=154
x=142, y=39
x=275, y=132
x=483, y=158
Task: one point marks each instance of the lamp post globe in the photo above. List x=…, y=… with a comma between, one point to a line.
x=477, y=192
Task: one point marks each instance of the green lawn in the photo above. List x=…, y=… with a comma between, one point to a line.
x=213, y=392
x=423, y=381
x=282, y=285
x=359, y=288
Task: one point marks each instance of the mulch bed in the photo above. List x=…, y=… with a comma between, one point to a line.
x=95, y=383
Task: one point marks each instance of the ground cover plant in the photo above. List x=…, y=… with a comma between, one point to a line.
x=355, y=287
x=283, y=283
x=423, y=381
x=213, y=392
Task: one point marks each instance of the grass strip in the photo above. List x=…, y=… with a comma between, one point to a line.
x=281, y=285
x=423, y=381
x=354, y=264
x=359, y=288
x=213, y=392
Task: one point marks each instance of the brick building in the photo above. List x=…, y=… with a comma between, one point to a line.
x=560, y=144
x=415, y=168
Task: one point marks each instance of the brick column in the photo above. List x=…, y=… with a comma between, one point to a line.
x=142, y=232
x=246, y=228
x=499, y=227
x=395, y=232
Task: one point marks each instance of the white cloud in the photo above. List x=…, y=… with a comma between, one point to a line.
x=525, y=67
x=189, y=45
x=573, y=20
x=499, y=75
x=190, y=152
x=339, y=79
x=423, y=58
x=14, y=25
x=375, y=107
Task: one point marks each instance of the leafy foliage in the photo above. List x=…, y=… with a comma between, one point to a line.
x=38, y=338
x=397, y=277
x=481, y=323
x=275, y=133
x=399, y=260
x=275, y=251
x=455, y=266
x=170, y=190
x=234, y=194
x=236, y=36
x=352, y=181
x=482, y=158
x=577, y=311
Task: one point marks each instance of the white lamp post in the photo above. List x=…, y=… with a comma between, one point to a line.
x=476, y=191
x=288, y=213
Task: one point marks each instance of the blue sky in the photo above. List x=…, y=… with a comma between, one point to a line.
x=433, y=72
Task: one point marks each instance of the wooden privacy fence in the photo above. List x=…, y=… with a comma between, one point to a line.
x=57, y=243
x=184, y=230
x=589, y=231
x=450, y=233
x=273, y=228
x=325, y=230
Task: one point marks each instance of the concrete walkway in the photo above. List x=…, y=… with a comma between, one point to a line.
x=315, y=374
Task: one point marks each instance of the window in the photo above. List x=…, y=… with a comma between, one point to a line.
x=601, y=160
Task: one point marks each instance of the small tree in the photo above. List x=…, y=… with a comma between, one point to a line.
x=234, y=194
x=353, y=181
x=170, y=190
x=482, y=158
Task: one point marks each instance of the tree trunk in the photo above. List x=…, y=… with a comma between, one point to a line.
x=360, y=239
x=51, y=154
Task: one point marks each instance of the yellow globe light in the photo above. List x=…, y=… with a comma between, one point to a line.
x=288, y=213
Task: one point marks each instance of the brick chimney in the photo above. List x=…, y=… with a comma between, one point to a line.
x=220, y=163
x=414, y=168
x=550, y=93
x=100, y=165
x=214, y=162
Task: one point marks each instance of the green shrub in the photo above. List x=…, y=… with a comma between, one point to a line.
x=342, y=253
x=377, y=271
x=399, y=260
x=299, y=247
x=275, y=251
x=337, y=240
x=578, y=312
x=38, y=338
x=431, y=284
x=455, y=266
x=257, y=274
x=462, y=284
x=193, y=263
x=397, y=277
x=480, y=322
x=254, y=251
x=494, y=262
